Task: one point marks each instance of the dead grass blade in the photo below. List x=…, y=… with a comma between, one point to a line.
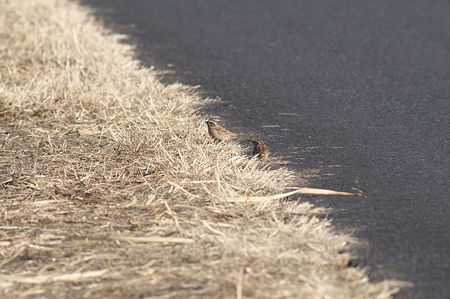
x=151, y=239
x=316, y=191
x=70, y=277
x=304, y=191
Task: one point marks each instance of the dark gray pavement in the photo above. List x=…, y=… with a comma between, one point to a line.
x=360, y=90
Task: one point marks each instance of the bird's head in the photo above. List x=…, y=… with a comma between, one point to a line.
x=211, y=123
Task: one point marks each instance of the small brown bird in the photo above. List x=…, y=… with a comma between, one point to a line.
x=260, y=149
x=219, y=133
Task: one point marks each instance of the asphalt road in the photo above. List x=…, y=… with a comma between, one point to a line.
x=359, y=89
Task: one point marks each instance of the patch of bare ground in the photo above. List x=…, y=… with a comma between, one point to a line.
x=111, y=188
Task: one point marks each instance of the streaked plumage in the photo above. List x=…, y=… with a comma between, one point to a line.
x=219, y=133
x=260, y=149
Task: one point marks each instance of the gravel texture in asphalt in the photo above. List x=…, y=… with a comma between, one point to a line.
x=357, y=89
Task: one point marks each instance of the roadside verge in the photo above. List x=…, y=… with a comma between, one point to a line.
x=111, y=187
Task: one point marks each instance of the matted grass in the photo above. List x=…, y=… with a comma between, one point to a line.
x=111, y=188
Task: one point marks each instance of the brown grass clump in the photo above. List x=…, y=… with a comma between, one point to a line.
x=110, y=187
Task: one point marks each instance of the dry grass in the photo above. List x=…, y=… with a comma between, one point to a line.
x=111, y=188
